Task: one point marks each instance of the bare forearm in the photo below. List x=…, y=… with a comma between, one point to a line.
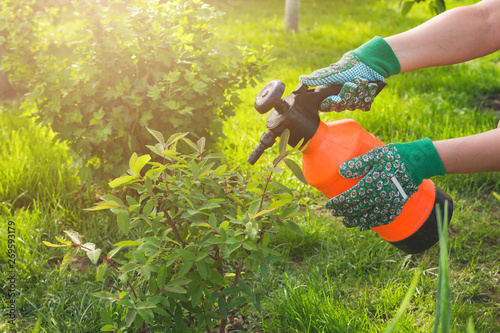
x=471, y=154
x=457, y=35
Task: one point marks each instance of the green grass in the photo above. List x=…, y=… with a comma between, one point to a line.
x=334, y=279
x=33, y=164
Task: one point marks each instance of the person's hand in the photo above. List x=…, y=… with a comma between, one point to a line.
x=356, y=95
x=373, y=61
x=391, y=175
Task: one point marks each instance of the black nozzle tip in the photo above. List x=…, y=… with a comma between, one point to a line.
x=255, y=155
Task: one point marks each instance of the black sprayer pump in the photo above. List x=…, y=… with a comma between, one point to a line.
x=329, y=145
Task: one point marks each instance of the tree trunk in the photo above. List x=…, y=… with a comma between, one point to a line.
x=292, y=8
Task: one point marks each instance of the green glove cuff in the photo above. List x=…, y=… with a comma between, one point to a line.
x=421, y=159
x=378, y=55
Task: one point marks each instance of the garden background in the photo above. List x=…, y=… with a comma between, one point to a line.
x=331, y=279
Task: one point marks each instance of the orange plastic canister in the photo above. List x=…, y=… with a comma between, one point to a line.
x=339, y=141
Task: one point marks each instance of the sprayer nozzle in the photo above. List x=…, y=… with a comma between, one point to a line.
x=266, y=140
x=255, y=155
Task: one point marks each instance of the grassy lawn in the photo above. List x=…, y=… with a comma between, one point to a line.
x=334, y=279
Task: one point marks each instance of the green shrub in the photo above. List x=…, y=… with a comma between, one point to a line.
x=195, y=232
x=103, y=71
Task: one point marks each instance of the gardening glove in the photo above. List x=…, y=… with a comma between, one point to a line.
x=373, y=61
x=391, y=174
x=358, y=94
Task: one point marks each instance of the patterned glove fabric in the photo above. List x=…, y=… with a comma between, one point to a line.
x=372, y=61
x=356, y=95
x=392, y=175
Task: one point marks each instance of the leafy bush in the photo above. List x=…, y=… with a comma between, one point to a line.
x=195, y=233
x=115, y=68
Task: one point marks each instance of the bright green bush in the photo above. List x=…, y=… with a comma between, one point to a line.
x=101, y=71
x=194, y=234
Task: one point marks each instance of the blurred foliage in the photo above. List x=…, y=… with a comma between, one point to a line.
x=436, y=7
x=99, y=72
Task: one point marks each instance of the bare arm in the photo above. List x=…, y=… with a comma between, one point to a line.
x=471, y=154
x=457, y=35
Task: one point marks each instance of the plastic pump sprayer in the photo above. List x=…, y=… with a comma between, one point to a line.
x=329, y=145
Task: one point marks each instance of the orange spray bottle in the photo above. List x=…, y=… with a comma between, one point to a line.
x=329, y=145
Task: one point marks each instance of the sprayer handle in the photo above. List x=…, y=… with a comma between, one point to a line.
x=269, y=97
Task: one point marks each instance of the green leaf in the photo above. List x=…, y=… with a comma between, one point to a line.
x=130, y=317
x=222, y=306
x=94, y=255
x=74, y=236
x=145, y=305
x=147, y=315
x=405, y=7
x=101, y=271
x=139, y=163
x=296, y=170
x=250, y=246
x=224, y=225
x=264, y=270
x=202, y=269
x=175, y=137
x=441, y=6
x=108, y=328
x=146, y=272
x=284, y=141
x=148, y=207
x=279, y=203
x=201, y=144
x=132, y=160
x=210, y=205
x=185, y=268
x=63, y=241
x=162, y=275
x=190, y=143
x=200, y=87
x=109, y=197
x=54, y=245
x=293, y=227
x=236, y=302
x=127, y=243
x=67, y=260
x=120, y=181
x=158, y=136
x=114, y=251
x=233, y=290
x=88, y=247
x=123, y=221
x=176, y=286
x=129, y=267
x=103, y=205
